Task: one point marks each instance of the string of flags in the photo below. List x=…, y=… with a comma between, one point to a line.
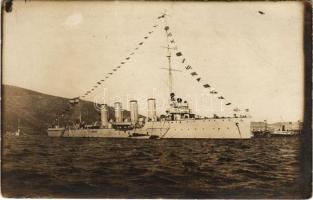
x=188, y=67
x=128, y=58
x=178, y=54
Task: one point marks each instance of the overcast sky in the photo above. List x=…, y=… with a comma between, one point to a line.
x=251, y=53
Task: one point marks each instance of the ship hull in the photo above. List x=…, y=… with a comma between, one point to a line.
x=105, y=132
x=284, y=133
x=222, y=128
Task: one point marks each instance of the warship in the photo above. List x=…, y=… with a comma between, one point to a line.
x=178, y=121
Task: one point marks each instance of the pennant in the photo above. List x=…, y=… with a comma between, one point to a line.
x=206, y=86
x=247, y=110
x=162, y=16
x=150, y=32
x=198, y=79
x=102, y=80
x=136, y=48
x=155, y=26
x=127, y=58
x=110, y=73
x=140, y=43
x=236, y=109
x=183, y=60
x=106, y=77
x=213, y=92
x=179, y=54
x=166, y=28
x=132, y=53
x=122, y=63
x=99, y=83
x=188, y=67
x=169, y=35
x=193, y=73
x=146, y=37
x=95, y=86
x=221, y=97
x=172, y=41
x=227, y=104
x=92, y=89
x=118, y=66
x=114, y=69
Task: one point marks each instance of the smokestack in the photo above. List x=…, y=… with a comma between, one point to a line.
x=118, y=112
x=133, y=106
x=151, y=109
x=104, y=115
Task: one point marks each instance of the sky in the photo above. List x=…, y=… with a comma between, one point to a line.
x=250, y=52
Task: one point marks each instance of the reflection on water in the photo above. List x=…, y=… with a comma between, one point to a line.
x=39, y=166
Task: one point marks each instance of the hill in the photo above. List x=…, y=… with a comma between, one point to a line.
x=36, y=110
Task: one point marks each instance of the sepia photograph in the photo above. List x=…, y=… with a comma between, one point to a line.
x=156, y=99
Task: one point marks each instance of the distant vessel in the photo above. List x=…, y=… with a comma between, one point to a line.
x=17, y=132
x=283, y=132
x=177, y=122
x=285, y=129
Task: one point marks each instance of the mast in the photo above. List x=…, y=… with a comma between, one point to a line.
x=80, y=112
x=170, y=75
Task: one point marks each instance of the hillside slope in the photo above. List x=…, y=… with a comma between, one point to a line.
x=36, y=110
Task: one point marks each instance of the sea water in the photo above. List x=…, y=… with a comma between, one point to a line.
x=40, y=166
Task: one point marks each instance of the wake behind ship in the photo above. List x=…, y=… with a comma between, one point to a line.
x=178, y=121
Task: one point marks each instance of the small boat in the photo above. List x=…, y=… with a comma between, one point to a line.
x=143, y=136
x=261, y=133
